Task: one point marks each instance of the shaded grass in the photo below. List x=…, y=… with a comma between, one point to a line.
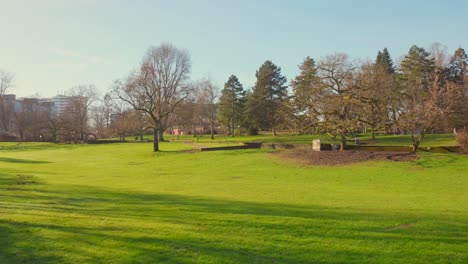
x=22, y=161
x=121, y=203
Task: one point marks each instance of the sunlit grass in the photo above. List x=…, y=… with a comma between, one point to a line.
x=381, y=140
x=122, y=203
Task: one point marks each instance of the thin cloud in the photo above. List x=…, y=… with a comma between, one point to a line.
x=77, y=59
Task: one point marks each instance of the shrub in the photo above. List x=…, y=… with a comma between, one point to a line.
x=462, y=139
x=252, y=131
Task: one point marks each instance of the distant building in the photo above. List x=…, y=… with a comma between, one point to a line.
x=115, y=117
x=22, y=112
x=60, y=103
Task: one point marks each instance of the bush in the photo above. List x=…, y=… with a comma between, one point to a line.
x=252, y=131
x=462, y=139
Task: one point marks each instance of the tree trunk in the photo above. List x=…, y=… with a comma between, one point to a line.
x=212, y=130
x=416, y=141
x=156, y=140
x=415, y=146
x=232, y=120
x=343, y=141
x=161, y=134
x=373, y=133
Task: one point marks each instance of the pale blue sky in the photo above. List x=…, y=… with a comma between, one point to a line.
x=52, y=45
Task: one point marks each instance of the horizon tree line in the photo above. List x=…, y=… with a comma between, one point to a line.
x=425, y=92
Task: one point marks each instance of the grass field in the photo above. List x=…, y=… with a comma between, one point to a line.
x=390, y=140
x=121, y=203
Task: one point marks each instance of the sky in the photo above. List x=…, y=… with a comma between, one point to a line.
x=53, y=45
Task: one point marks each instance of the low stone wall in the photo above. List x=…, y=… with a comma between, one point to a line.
x=245, y=146
x=105, y=141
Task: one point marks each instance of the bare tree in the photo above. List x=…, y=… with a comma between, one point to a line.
x=439, y=55
x=430, y=100
x=77, y=114
x=99, y=120
x=101, y=114
x=336, y=74
x=374, y=86
x=207, y=100
x=123, y=124
x=54, y=124
x=6, y=107
x=159, y=86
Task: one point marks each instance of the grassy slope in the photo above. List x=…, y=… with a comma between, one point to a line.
x=122, y=203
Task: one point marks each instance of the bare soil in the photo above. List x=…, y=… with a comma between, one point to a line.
x=337, y=158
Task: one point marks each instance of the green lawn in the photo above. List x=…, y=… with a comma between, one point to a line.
x=381, y=140
x=121, y=203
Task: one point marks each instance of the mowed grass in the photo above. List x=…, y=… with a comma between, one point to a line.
x=429, y=140
x=121, y=203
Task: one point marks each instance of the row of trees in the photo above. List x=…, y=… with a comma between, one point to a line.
x=425, y=92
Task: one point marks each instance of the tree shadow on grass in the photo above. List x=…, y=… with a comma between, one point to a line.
x=154, y=228
x=33, y=146
x=11, y=252
x=24, y=161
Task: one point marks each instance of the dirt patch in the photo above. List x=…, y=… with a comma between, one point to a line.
x=337, y=158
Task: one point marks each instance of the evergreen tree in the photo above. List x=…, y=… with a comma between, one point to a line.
x=268, y=97
x=416, y=78
x=249, y=114
x=231, y=104
x=384, y=60
x=378, y=59
x=306, y=88
x=416, y=68
x=458, y=67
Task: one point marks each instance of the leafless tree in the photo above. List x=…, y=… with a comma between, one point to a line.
x=77, y=113
x=100, y=114
x=158, y=87
x=374, y=90
x=208, y=94
x=439, y=54
x=336, y=74
x=6, y=107
x=99, y=120
x=435, y=104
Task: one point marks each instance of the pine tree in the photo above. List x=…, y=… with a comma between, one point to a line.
x=250, y=114
x=384, y=60
x=458, y=67
x=417, y=67
x=378, y=59
x=268, y=97
x=416, y=77
x=231, y=104
x=306, y=89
